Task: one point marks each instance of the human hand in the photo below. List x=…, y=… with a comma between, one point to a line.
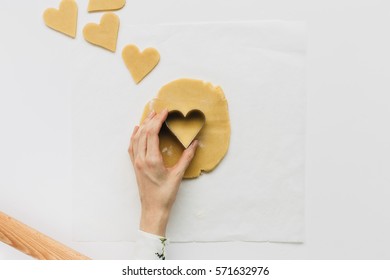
x=157, y=184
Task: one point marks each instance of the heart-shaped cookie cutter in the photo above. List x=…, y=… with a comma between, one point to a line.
x=185, y=128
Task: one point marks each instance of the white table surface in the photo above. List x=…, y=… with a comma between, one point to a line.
x=348, y=135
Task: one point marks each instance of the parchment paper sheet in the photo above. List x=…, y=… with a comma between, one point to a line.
x=257, y=192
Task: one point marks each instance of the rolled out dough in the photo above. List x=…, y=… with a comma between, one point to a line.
x=105, y=5
x=105, y=34
x=186, y=95
x=64, y=19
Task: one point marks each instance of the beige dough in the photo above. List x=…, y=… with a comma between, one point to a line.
x=105, y=34
x=186, y=95
x=105, y=5
x=140, y=64
x=185, y=128
x=64, y=19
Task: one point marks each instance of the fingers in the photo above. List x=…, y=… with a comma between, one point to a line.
x=154, y=127
x=141, y=148
x=145, y=140
x=148, y=118
x=139, y=139
x=186, y=159
x=131, y=152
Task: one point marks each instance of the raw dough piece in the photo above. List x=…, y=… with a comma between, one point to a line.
x=186, y=95
x=185, y=128
x=64, y=19
x=105, y=34
x=140, y=64
x=105, y=5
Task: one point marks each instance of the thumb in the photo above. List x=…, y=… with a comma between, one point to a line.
x=186, y=158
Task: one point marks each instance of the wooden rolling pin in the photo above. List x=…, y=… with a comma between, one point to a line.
x=34, y=243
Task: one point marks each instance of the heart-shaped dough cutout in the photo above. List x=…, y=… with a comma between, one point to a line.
x=105, y=34
x=185, y=128
x=140, y=64
x=105, y=5
x=64, y=19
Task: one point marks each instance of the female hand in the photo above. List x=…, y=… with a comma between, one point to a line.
x=157, y=184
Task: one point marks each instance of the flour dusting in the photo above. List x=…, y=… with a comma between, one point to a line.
x=151, y=105
x=167, y=151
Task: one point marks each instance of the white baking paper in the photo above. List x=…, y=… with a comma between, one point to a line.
x=257, y=192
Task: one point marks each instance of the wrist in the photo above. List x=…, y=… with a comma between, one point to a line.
x=154, y=222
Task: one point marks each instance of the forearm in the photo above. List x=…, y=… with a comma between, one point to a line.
x=154, y=221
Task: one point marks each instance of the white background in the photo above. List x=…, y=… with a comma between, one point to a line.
x=348, y=136
x=105, y=102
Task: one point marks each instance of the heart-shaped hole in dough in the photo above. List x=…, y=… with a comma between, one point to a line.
x=185, y=128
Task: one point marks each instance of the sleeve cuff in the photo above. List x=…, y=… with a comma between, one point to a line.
x=150, y=247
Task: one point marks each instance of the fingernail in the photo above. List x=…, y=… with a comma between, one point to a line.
x=151, y=113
